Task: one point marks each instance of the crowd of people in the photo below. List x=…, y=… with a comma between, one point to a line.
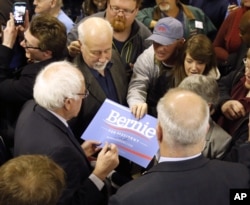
x=186, y=63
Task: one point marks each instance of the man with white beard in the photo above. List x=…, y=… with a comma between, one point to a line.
x=129, y=34
x=193, y=19
x=105, y=77
x=102, y=68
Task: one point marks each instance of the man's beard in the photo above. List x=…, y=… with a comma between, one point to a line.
x=164, y=8
x=100, y=66
x=119, y=24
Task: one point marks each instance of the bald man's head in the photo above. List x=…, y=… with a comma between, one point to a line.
x=183, y=116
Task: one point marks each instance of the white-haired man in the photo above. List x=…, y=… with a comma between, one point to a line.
x=42, y=128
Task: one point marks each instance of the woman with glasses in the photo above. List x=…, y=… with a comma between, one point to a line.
x=234, y=99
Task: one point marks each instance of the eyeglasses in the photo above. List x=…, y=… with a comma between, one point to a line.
x=31, y=47
x=245, y=61
x=126, y=12
x=84, y=95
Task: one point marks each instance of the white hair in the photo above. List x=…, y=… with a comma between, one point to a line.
x=204, y=86
x=56, y=82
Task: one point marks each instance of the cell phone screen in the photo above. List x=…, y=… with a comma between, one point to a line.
x=19, y=12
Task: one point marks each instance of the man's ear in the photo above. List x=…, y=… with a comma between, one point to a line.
x=47, y=53
x=53, y=3
x=159, y=132
x=67, y=104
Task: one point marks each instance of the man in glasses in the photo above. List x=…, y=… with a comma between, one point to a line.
x=129, y=34
x=42, y=128
x=44, y=42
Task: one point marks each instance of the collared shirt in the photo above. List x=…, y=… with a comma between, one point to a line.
x=173, y=159
x=106, y=82
x=59, y=117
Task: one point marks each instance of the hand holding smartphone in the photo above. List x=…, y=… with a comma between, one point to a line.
x=19, y=9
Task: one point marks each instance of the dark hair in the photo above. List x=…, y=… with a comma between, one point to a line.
x=200, y=48
x=51, y=33
x=89, y=7
x=138, y=3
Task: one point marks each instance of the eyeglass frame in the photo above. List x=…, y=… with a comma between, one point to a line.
x=31, y=47
x=126, y=12
x=84, y=95
x=245, y=63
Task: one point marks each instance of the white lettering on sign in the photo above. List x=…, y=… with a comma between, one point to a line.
x=116, y=119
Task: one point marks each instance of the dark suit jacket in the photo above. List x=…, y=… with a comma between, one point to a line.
x=197, y=181
x=40, y=132
x=15, y=89
x=97, y=96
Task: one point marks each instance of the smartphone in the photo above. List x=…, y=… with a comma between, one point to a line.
x=19, y=9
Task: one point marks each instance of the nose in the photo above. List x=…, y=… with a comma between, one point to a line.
x=193, y=66
x=120, y=12
x=103, y=57
x=22, y=43
x=247, y=69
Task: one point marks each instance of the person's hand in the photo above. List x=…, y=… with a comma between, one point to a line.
x=232, y=7
x=74, y=48
x=152, y=24
x=233, y=109
x=10, y=33
x=139, y=110
x=107, y=160
x=90, y=147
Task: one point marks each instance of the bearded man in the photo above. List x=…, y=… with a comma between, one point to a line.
x=193, y=19
x=129, y=34
x=104, y=73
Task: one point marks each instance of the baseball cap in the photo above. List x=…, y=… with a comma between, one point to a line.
x=166, y=31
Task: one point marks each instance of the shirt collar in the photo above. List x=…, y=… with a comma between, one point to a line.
x=173, y=159
x=59, y=117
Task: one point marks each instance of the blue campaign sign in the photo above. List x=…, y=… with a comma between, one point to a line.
x=136, y=139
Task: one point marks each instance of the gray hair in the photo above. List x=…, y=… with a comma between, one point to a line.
x=202, y=85
x=56, y=82
x=94, y=26
x=184, y=120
